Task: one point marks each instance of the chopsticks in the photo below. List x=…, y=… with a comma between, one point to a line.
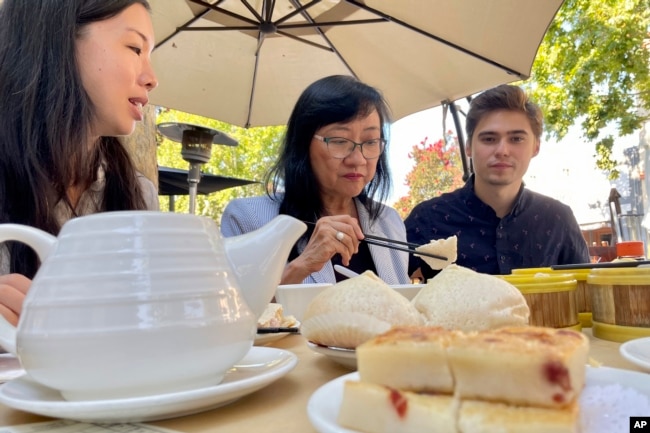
x=408, y=247
x=601, y=265
x=276, y=330
x=387, y=243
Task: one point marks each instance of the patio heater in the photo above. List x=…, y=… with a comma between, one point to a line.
x=196, y=142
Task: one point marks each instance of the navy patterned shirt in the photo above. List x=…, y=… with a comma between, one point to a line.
x=539, y=232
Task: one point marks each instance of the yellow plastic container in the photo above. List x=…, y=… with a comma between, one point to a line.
x=620, y=299
x=583, y=297
x=550, y=297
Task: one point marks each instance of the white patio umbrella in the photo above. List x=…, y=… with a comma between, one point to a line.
x=246, y=61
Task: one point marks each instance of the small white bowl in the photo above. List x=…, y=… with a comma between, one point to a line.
x=296, y=297
x=637, y=351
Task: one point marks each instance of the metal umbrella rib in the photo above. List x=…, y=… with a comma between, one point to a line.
x=245, y=62
x=436, y=38
x=277, y=25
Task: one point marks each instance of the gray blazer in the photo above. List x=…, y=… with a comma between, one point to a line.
x=244, y=215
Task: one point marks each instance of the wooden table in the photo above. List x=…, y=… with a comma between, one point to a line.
x=281, y=407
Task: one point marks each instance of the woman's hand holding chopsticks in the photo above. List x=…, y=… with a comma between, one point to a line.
x=332, y=235
x=395, y=244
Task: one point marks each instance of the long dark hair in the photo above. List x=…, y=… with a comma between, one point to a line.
x=45, y=116
x=332, y=99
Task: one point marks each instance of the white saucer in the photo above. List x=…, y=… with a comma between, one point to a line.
x=260, y=367
x=262, y=339
x=637, y=351
x=323, y=406
x=345, y=357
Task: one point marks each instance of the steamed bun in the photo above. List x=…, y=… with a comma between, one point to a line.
x=460, y=298
x=355, y=310
x=440, y=247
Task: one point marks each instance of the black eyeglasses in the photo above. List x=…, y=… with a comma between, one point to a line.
x=341, y=148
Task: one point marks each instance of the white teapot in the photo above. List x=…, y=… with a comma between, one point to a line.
x=140, y=303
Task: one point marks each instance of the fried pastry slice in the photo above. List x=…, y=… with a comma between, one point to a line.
x=529, y=366
x=409, y=358
x=372, y=408
x=484, y=417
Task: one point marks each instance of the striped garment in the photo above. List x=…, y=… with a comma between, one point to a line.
x=244, y=215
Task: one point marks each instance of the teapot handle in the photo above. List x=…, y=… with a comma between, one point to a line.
x=42, y=242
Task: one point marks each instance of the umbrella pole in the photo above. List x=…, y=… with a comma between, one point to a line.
x=193, y=198
x=193, y=178
x=196, y=148
x=461, y=139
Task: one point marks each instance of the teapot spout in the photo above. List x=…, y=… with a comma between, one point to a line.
x=258, y=258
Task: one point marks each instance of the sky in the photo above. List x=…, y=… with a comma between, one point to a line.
x=406, y=133
x=563, y=170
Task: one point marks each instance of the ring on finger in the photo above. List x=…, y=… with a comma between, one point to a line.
x=340, y=236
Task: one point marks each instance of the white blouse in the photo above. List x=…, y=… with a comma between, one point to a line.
x=89, y=204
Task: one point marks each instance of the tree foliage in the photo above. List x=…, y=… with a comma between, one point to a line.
x=257, y=150
x=593, y=68
x=437, y=169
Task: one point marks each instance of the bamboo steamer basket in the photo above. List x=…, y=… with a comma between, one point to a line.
x=583, y=297
x=582, y=292
x=550, y=297
x=620, y=299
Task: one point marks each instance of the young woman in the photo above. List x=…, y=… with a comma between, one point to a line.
x=74, y=75
x=333, y=172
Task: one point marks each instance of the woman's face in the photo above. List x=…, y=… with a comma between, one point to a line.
x=114, y=61
x=344, y=178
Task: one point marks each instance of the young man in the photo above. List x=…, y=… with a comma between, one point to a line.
x=499, y=223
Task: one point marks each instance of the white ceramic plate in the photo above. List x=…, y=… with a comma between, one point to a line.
x=637, y=351
x=260, y=367
x=323, y=405
x=345, y=357
x=262, y=339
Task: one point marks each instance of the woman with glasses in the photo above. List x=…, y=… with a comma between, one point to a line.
x=332, y=172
